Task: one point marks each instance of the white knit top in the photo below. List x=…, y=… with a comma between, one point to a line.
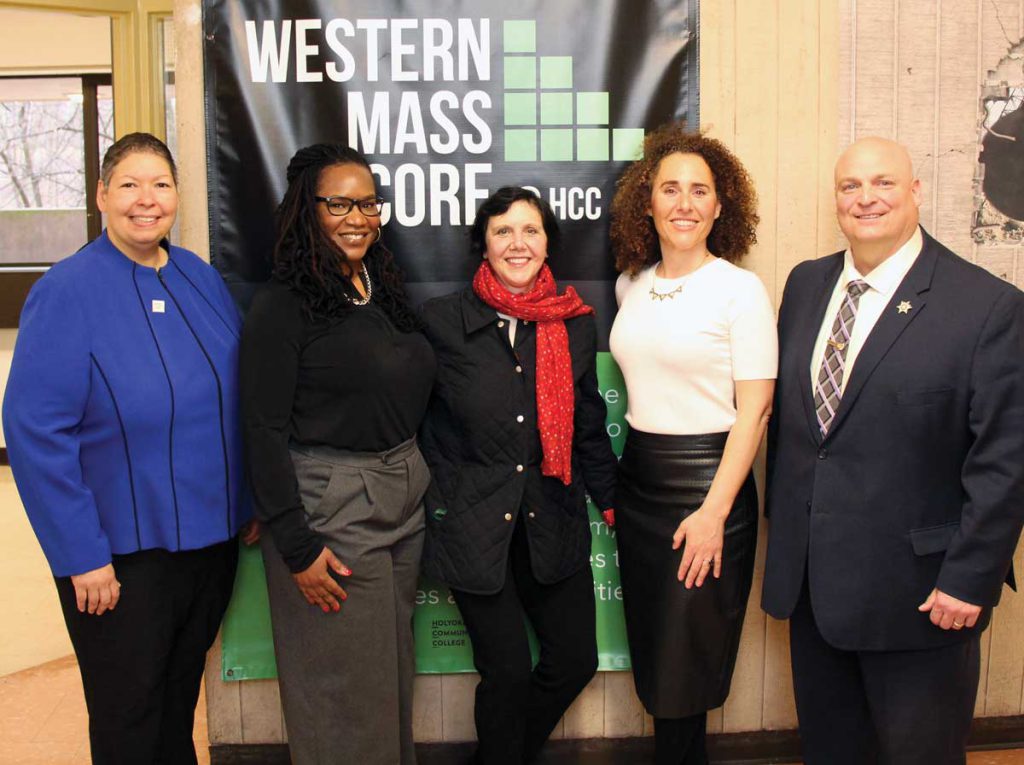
x=680, y=355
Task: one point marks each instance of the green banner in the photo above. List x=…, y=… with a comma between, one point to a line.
x=442, y=645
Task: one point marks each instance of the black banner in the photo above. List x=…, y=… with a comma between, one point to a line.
x=449, y=101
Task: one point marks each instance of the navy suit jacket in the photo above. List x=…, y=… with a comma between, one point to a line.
x=919, y=482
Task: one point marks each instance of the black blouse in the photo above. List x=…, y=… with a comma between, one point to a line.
x=356, y=383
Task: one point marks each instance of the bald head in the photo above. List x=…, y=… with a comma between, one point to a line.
x=877, y=199
x=877, y=150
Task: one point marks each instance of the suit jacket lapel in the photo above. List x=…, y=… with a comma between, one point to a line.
x=808, y=335
x=913, y=290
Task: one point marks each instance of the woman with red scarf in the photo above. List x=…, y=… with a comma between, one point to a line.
x=514, y=431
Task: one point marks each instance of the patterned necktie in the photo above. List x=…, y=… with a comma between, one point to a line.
x=828, y=389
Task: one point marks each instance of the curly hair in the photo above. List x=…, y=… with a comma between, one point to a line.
x=634, y=238
x=313, y=266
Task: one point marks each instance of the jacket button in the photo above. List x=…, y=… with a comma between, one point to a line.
x=822, y=454
x=508, y=516
x=519, y=418
x=501, y=324
x=531, y=514
x=808, y=507
x=519, y=468
x=519, y=369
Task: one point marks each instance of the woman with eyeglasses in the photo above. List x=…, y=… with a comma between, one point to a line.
x=336, y=376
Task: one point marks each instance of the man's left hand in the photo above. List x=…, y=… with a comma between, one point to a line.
x=948, y=613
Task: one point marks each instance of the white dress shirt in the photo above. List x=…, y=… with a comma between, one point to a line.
x=513, y=322
x=882, y=283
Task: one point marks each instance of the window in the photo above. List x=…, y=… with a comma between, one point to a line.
x=53, y=131
x=58, y=112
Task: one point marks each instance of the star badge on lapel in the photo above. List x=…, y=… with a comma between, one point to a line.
x=904, y=307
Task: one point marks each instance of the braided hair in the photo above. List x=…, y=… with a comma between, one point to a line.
x=311, y=265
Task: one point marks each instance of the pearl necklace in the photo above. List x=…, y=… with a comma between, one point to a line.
x=369, y=288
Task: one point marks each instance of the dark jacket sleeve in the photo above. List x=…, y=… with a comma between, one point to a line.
x=271, y=343
x=590, y=436
x=979, y=555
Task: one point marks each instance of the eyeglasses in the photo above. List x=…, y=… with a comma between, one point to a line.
x=342, y=206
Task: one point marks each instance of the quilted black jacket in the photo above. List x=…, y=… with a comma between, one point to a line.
x=481, y=441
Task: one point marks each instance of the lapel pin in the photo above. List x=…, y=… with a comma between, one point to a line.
x=904, y=307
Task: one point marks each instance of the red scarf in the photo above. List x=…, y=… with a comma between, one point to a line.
x=555, y=397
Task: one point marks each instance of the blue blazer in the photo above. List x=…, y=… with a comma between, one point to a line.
x=920, y=480
x=121, y=411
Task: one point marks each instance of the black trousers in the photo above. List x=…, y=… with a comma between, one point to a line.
x=881, y=707
x=681, y=740
x=517, y=705
x=142, y=663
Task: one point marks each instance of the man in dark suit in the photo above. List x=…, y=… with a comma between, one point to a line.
x=895, y=475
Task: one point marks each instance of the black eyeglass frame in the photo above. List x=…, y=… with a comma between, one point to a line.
x=378, y=203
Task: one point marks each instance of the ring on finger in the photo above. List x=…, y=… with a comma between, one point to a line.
x=958, y=624
x=708, y=561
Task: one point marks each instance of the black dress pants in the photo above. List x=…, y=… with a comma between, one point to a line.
x=517, y=705
x=681, y=740
x=881, y=707
x=142, y=663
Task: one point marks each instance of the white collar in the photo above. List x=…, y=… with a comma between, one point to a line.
x=887, y=275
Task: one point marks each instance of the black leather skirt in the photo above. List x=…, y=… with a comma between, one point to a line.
x=683, y=643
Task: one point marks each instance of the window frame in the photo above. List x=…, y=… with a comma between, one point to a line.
x=137, y=78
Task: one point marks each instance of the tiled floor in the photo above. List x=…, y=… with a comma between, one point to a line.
x=43, y=721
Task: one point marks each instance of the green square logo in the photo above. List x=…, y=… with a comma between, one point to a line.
x=592, y=145
x=520, y=145
x=555, y=108
x=556, y=145
x=592, y=108
x=556, y=71
x=521, y=72
x=627, y=144
x=520, y=36
x=520, y=108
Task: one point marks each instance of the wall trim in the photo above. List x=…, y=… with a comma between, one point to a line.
x=753, y=748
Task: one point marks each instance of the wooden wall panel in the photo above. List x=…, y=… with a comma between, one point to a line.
x=956, y=143
x=916, y=70
x=260, y=710
x=833, y=35
x=426, y=709
x=585, y=718
x=623, y=712
x=718, y=68
x=223, y=702
x=873, y=66
x=1000, y=27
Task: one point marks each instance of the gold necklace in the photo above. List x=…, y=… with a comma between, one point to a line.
x=659, y=296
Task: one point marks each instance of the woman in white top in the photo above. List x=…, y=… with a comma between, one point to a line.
x=695, y=338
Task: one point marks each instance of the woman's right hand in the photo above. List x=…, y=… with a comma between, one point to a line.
x=318, y=586
x=97, y=591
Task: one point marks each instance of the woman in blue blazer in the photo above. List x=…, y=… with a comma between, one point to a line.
x=121, y=421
